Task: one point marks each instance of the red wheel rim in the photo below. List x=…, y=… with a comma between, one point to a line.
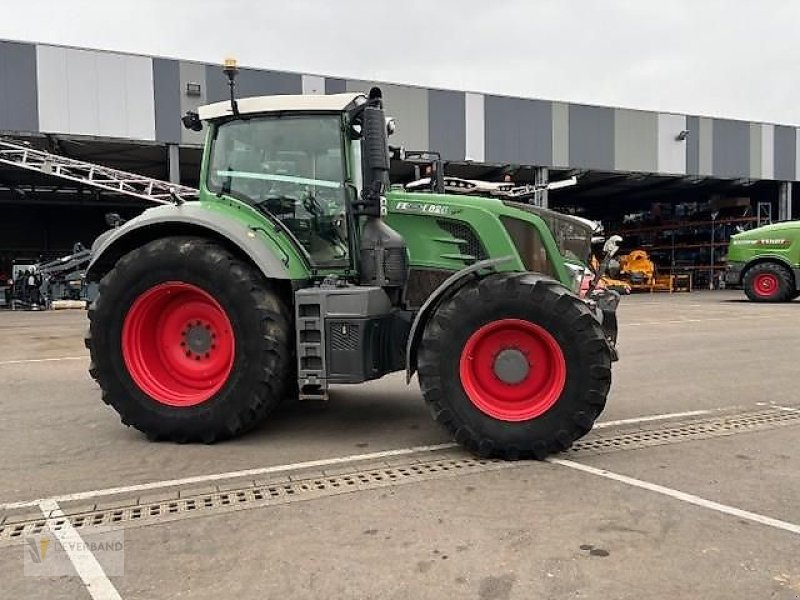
x=765, y=285
x=513, y=370
x=178, y=344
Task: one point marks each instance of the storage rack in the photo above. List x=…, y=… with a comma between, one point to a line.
x=685, y=247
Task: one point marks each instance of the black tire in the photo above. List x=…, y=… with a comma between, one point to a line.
x=768, y=282
x=261, y=329
x=546, y=304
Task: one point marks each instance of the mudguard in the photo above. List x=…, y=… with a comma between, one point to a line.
x=190, y=218
x=449, y=285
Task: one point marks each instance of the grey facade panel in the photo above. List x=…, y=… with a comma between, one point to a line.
x=560, y=134
x=671, y=143
x=88, y=92
x=519, y=131
x=693, y=145
x=193, y=73
x=335, y=86
x=251, y=82
x=785, y=153
x=755, y=150
x=731, y=158
x=706, y=146
x=447, y=125
x=635, y=141
x=19, y=109
x=591, y=137
x=167, y=96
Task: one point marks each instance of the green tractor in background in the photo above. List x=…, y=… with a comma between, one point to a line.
x=298, y=269
x=765, y=261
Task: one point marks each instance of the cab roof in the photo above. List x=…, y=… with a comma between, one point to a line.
x=280, y=103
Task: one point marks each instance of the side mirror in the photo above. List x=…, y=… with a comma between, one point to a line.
x=611, y=247
x=391, y=126
x=191, y=120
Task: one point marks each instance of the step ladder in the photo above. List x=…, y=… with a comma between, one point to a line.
x=22, y=156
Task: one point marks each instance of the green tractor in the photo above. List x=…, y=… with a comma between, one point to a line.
x=765, y=261
x=297, y=268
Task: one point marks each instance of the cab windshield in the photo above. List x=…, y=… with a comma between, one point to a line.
x=293, y=168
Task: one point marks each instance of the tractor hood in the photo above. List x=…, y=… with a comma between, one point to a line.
x=787, y=228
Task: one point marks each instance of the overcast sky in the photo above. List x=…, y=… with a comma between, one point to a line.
x=727, y=58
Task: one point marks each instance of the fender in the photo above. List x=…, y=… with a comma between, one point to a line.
x=449, y=285
x=192, y=217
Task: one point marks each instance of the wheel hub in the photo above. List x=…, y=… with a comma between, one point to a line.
x=511, y=366
x=198, y=338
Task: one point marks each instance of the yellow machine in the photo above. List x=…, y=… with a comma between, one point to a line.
x=610, y=283
x=640, y=271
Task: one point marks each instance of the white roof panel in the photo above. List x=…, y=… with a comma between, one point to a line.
x=267, y=104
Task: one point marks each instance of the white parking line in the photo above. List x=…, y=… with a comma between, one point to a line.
x=682, y=496
x=23, y=361
x=650, y=418
x=709, y=319
x=89, y=570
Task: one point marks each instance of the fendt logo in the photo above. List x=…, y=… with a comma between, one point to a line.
x=431, y=209
x=782, y=243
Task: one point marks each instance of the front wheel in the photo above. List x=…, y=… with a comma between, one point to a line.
x=768, y=282
x=189, y=343
x=515, y=366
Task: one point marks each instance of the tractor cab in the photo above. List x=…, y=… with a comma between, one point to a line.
x=289, y=157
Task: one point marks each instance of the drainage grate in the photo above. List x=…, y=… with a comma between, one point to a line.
x=694, y=430
x=292, y=489
x=257, y=496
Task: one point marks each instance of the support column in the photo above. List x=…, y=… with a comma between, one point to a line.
x=174, y=162
x=785, y=201
x=541, y=177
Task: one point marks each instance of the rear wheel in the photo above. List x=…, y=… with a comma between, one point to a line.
x=188, y=343
x=768, y=282
x=515, y=366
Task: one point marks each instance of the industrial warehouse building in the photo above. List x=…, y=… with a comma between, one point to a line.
x=675, y=184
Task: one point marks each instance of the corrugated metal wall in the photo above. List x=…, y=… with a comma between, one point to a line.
x=86, y=92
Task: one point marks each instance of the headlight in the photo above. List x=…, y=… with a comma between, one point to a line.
x=577, y=272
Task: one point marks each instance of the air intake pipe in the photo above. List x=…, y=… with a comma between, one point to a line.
x=383, y=257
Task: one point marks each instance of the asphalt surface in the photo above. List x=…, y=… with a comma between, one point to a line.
x=529, y=530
